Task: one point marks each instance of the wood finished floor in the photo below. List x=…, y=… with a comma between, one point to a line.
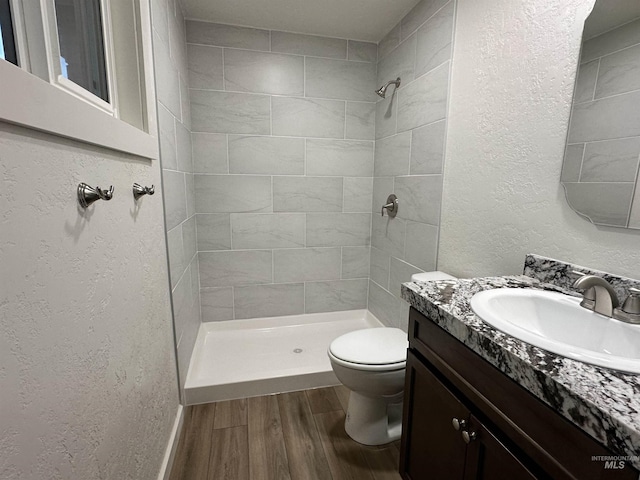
x=290, y=436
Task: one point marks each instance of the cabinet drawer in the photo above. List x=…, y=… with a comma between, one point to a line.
x=560, y=448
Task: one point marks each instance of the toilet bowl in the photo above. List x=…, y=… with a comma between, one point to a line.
x=371, y=363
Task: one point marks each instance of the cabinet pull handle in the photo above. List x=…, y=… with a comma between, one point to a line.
x=458, y=424
x=468, y=437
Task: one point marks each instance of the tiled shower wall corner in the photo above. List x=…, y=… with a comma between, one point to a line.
x=601, y=160
x=283, y=153
x=409, y=153
x=174, y=124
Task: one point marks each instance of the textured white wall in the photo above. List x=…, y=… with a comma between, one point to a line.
x=88, y=385
x=514, y=66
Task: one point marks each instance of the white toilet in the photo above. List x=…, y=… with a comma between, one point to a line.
x=371, y=363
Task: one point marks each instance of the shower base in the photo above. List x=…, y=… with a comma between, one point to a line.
x=260, y=356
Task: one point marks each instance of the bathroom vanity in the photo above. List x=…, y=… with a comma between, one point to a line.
x=480, y=404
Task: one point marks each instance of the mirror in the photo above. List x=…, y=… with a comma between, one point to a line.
x=602, y=155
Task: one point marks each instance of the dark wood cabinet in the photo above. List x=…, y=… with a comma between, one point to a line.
x=503, y=432
x=436, y=448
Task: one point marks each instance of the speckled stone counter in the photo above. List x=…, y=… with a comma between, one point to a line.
x=604, y=403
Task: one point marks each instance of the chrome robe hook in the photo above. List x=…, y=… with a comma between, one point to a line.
x=87, y=194
x=139, y=190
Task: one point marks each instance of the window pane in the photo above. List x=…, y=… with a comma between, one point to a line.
x=82, y=44
x=7, y=44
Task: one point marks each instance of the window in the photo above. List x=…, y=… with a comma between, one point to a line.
x=94, y=57
x=7, y=43
x=81, y=45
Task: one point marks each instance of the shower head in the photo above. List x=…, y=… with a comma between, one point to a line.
x=382, y=91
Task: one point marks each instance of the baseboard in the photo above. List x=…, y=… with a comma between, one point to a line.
x=172, y=445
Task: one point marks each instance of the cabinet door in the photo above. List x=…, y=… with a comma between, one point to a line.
x=432, y=448
x=489, y=459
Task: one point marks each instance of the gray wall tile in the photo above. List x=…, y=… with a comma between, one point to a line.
x=167, y=131
x=399, y=273
x=189, y=241
x=427, y=149
x=399, y=63
x=382, y=188
x=241, y=267
x=183, y=145
x=362, y=51
x=259, y=72
x=175, y=251
x=268, y=300
x=355, y=262
x=260, y=230
x=572, y=163
x=603, y=203
x=349, y=158
x=232, y=194
x=175, y=198
x=586, y=82
x=388, y=234
x=386, y=116
x=185, y=102
x=266, y=155
x=380, y=264
x=358, y=192
x=336, y=295
x=609, y=42
x=227, y=35
x=611, y=161
x=305, y=117
x=392, y=155
x=213, y=231
x=205, y=67
x=191, y=194
x=390, y=41
x=422, y=12
x=421, y=245
x=216, y=304
x=613, y=117
x=434, y=41
x=340, y=79
x=285, y=42
x=304, y=264
x=209, y=153
x=420, y=198
x=634, y=219
x=307, y=194
x=338, y=229
x=223, y=112
x=383, y=305
x=167, y=82
x=619, y=72
x=361, y=120
x=425, y=100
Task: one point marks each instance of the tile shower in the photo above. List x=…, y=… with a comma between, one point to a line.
x=292, y=155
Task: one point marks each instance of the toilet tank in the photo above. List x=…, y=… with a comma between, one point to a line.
x=429, y=276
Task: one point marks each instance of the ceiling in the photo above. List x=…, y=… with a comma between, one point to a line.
x=607, y=14
x=368, y=20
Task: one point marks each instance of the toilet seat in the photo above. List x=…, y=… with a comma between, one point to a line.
x=371, y=349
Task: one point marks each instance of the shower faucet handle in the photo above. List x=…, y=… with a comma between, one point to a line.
x=391, y=206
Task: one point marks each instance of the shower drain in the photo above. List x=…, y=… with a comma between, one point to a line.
x=297, y=350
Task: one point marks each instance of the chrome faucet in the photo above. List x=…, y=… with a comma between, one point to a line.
x=599, y=295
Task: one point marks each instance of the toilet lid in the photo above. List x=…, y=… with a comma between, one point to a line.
x=371, y=346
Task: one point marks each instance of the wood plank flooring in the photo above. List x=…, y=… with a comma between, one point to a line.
x=290, y=436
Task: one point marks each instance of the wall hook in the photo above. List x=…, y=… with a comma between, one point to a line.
x=139, y=190
x=87, y=194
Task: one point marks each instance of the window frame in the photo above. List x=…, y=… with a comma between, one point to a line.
x=34, y=98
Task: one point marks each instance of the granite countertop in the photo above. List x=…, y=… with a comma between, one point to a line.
x=602, y=402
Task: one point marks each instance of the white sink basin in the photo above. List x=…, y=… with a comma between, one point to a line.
x=557, y=323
